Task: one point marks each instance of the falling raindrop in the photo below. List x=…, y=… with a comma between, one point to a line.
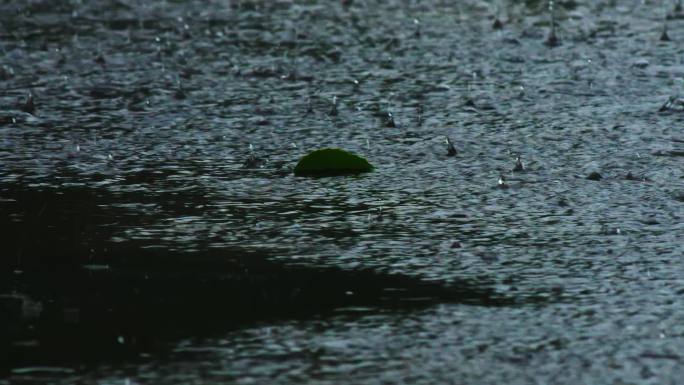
x=419, y=118
x=664, y=36
x=180, y=92
x=451, y=150
x=309, y=106
x=333, y=109
x=502, y=182
x=552, y=40
x=519, y=167
x=389, y=120
x=29, y=105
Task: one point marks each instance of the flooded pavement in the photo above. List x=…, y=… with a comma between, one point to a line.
x=147, y=194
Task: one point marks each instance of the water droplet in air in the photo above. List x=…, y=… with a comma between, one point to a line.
x=29, y=105
x=519, y=167
x=552, y=40
x=502, y=182
x=333, y=109
x=389, y=122
x=451, y=150
x=664, y=35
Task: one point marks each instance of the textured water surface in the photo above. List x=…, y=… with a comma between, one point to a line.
x=174, y=126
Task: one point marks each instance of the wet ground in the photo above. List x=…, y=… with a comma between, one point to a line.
x=153, y=231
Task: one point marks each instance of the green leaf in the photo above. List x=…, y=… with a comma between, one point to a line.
x=330, y=162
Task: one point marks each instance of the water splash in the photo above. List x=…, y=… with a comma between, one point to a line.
x=552, y=40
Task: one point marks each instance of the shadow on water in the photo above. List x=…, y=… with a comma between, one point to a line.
x=61, y=304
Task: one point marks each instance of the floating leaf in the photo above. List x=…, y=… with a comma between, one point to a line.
x=331, y=161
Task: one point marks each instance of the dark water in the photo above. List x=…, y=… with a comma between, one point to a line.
x=141, y=244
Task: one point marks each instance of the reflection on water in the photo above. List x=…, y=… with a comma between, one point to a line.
x=170, y=129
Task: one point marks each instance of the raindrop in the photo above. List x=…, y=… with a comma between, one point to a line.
x=6, y=72
x=333, y=109
x=75, y=152
x=552, y=40
x=180, y=92
x=521, y=91
x=309, y=106
x=519, y=167
x=451, y=150
x=664, y=35
x=29, y=106
x=389, y=121
x=502, y=182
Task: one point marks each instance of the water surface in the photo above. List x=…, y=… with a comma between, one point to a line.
x=146, y=116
